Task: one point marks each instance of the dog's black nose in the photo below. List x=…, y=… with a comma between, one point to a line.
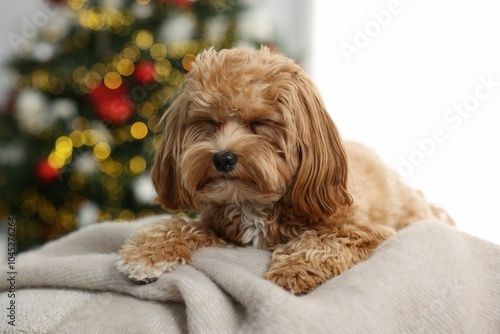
x=225, y=161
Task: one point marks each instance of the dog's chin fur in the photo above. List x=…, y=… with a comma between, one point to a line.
x=319, y=203
x=233, y=192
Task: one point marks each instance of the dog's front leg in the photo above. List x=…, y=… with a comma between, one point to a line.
x=161, y=246
x=318, y=255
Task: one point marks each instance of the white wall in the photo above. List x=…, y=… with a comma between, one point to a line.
x=11, y=21
x=292, y=25
x=405, y=79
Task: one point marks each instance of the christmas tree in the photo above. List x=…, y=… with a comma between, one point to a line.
x=79, y=132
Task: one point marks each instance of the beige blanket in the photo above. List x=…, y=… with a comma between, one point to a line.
x=427, y=279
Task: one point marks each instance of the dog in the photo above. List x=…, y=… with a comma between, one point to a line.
x=248, y=143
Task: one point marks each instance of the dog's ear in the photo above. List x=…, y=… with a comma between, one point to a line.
x=320, y=185
x=165, y=173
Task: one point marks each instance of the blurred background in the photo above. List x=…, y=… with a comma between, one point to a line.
x=84, y=82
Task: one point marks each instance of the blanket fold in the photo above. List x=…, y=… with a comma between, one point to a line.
x=428, y=278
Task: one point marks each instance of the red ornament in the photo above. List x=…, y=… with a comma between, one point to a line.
x=179, y=3
x=112, y=105
x=45, y=173
x=144, y=72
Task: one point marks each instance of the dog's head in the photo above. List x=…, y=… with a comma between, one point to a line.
x=250, y=126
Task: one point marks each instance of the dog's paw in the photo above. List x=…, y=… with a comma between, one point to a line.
x=300, y=271
x=145, y=270
x=146, y=261
x=296, y=280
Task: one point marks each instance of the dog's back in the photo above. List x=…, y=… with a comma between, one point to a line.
x=381, y=195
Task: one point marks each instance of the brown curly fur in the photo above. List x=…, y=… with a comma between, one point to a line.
x=319, y=204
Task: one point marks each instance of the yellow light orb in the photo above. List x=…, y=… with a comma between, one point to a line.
x=137, y=165
x=64, y=145
x=95, y=19
x=101, y=151
x=56, y=159
x=99, y=68
x=175, y=77
x=84, y=18
x=163, y=68
x=106, y=165
x=95, y=75
x=139, y=130
x=77, y=4
x=112, y=168
x=77, y=138
x=125, y=67
x=145, y=213
x=143, y=39
x=40, y=79
x=126, y=215
x=47, y=212
x=113, y=80
x=128, y=16
x=117, y=169
x=158, y=51
x=91, y=137
x=79, y=73
x=187, y=62
x=131, y=52
x=145, y=109
x=114, y=18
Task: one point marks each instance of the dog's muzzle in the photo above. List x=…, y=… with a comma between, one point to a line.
x=225, y=161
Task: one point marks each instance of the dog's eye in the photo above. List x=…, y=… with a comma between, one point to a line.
x=255, y=125
x=214, y=123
